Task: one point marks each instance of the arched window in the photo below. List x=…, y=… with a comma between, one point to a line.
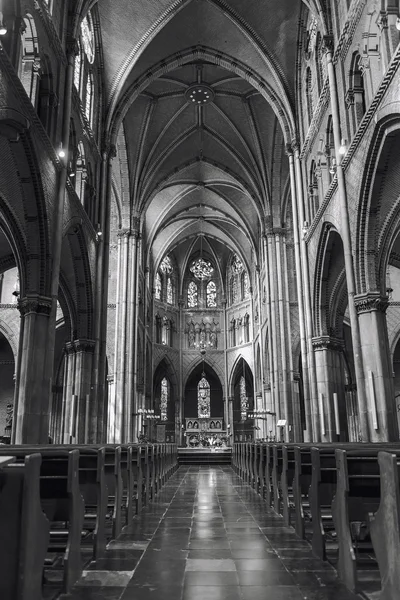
x=88, y=38
x=165, y=331
x=233, y=332
x=80, y=173
x=158, y=286
x=243, y=398
x=89, y=98
x=164, y=399
x=211, y=294
x=245, y=285
x=170, y=295
x=234, y=289
x=309, y=95
x=78, y=68
x=192, y=297
x=29, y=65
x=203, y=398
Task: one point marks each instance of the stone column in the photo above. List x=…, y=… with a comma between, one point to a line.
x=84, y=350
x=272, y=323
x=34, y=373
x=131, y=393
x=371, y=308
x=330, y=381
x=230, y=420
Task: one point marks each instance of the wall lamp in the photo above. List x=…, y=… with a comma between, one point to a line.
x=398, y=24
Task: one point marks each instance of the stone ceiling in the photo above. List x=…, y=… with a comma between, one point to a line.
x=218, y=168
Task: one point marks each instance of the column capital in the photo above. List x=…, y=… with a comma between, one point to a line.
x=34, y=303
x=328, y=342
x=124, y=233
x=84, y=345
x=371, y=301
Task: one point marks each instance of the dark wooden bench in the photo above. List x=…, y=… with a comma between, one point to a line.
x=385, y=525
x=24, y=530
x=358, y=494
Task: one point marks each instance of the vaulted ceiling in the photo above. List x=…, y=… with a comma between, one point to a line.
x=204, y=94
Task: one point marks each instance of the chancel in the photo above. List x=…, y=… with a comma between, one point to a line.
x=199, y=299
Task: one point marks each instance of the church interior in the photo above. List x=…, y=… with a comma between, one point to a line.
x=199, y=299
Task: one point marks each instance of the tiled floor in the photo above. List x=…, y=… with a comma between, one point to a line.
x=207, y=536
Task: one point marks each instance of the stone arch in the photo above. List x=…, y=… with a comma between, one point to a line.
x=379, y=208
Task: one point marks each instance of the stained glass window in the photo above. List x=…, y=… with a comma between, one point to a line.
x=246, y=286
x=243, y=398
x=234, y=290
x=166, y=265
x=87, y=38
x=164, y=399
x=78, y=68
x=158, y=286
x=89, y=98
x=203, y=398
x=169, y=291
x=237, y=265
x=202, y=269
x=192, y=295
x=211, y=295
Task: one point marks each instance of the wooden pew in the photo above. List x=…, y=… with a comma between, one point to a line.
x=287, y=477
x=61, y=502
x=357, y=494
x=24, y=530
x=385, y=526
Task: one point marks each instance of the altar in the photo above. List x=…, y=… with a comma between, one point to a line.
x=205, y=433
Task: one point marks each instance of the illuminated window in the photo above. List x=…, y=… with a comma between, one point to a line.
x=243, y=398
x=234, y=290
x=245, y=285
x=203, y=398
x=29, y=67
x=202, y=269
x=89, y=98
x=169, y=291
x=164, y=399
x=211, y=295
x=192, y=295
x=88, y=38
x=158, y=286
x=78, y=69
x=237, y=265
x=166, y=265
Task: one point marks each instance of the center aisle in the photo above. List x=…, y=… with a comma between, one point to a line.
x=207, y=536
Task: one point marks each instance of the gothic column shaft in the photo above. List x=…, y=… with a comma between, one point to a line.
x=121, y=350
x=34, y=376
x=130, y=391
x=68, y=391
x=273, y=324
x=282, y=327
x=82, y=387
x=300, y=299
x=112, y=402
x=348, y=253
x=270, y=399
x=377, y=364
x=307, y=302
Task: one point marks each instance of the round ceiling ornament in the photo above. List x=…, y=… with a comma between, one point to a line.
x=199, y=94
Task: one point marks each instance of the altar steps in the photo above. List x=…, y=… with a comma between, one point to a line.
x=204, y=456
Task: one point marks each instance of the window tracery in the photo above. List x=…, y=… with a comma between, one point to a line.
x=88, y=38
x=158, y=286
x=169, y=291
x=78, y=68
x=202, y=269
x=164, y=399
x=192, y=295
x=243, y=398
x=166, y=265
x=89, y=98
x=245, y=286
x=203, y=398
x=211, y=294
